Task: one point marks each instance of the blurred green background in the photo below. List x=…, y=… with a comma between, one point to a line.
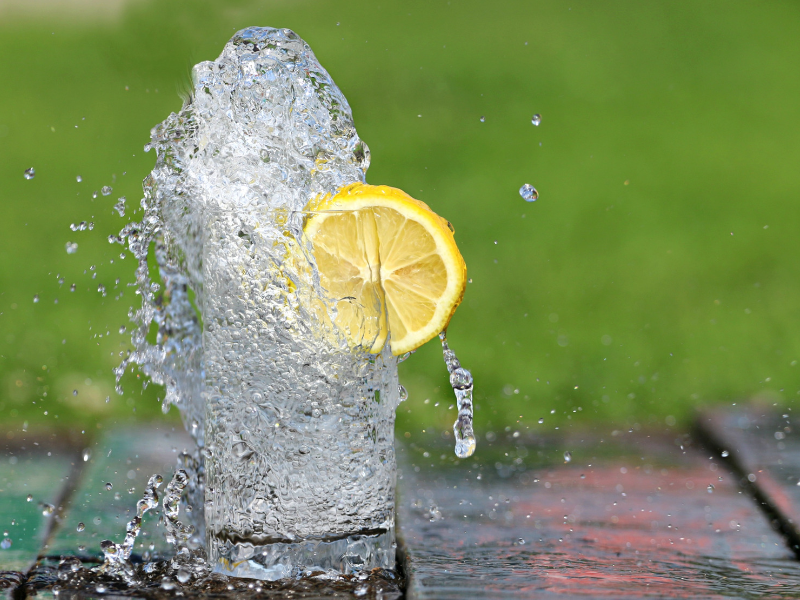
x=657, y=272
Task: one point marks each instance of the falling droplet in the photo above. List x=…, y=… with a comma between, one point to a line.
x=483, y=119
x=122, y=329
x=403, y=393
x=106, y=190
x=183, y=575
x=725, y=454
x=109, y=486
x=528, y=193
x=79, y=179
x=541, y=420
x=536, y=119
x=81, y=527
x=5, y=544
x=567, y=456
x=47, y=509
x=30, y=173
x=87, y=454
x=120, y=206
x=710, y=488
x=35, y=298
x=29, y=498
x=72, y=247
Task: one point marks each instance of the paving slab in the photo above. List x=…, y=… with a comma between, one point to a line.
x=34, y=472
x=761, y=446
x=659, y=519
x=115, y=473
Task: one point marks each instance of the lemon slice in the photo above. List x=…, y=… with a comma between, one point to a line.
x=390, y=262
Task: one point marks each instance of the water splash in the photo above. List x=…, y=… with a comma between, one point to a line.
x=117, y=556
x=461, y=382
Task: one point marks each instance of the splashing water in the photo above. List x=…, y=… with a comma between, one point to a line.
x=461, y=382
x=117, y=556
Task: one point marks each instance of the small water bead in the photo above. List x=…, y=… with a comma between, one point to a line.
x=30, y=173
x=72, y=287
x=5, y=544
x=541, y=420
x=528, y=193
x=536, y=119
x=80, y=527
x=87, y=454
x=29, y=498
x=47, y=509
x=35, y=298
x=183, y=575
x=403, y=392
x=567, y=456
x=106, y=190
x=109, y=486
x=71, y=247
x=710, y=488
x=78, y=178
x=725, y=454
x=483, y=119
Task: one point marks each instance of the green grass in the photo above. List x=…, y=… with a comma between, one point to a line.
x=657, y=272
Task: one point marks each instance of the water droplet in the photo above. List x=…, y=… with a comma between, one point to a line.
x=710, y=488
x=483, y=119
x=109, y=486
x=5, y=544
x=567, y=456
x=183, y=575
x=536, y=119
x=100, y=588
x=79, y=179
x=35, y=298
x=72, y=247
x=47, y=509
x=528, y=193
x=725, y=454
x=29, y=498
x=106, y=190
x=87, y=454
x=120, y=206
x=72, y=287
x=80, y=527
x=541, y=420
x=403, y=393
x=30, y=173
x=122, y=329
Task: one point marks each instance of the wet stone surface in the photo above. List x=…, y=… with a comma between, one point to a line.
x=636, y=520
x=628, y=515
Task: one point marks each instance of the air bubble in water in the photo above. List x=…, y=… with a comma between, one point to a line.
x=47, y=509
x=528, y=193
x=71, y=247
x=30, y=173
x=536, y=119
x=567, y=456
x=106, y=190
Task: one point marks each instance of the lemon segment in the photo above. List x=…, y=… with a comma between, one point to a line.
x=390, y=263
